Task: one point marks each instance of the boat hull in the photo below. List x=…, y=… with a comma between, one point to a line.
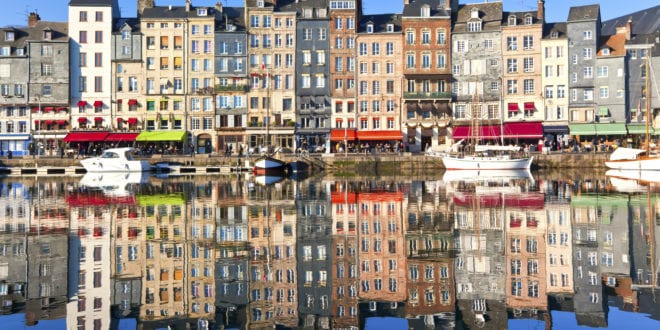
x=641, y=164
x=269, y=166
x=486, y=163
x=97, y=164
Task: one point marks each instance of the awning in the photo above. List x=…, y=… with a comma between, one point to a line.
x=82, y=119
x=98, y=104
x=523, y=130
x=488, y=132
x=98, y=118
x=469, y=200
x=85, y=136
x=556, y=129
x=337, y=135
x=132, y=102
x=582, y=129
x=513, y=107
x=119, y=120
x=97, y=199
x=121, y=137
x=132, y=120
x=379, y=135
x=49, y=122
x=529, y=106
x=61, y=122
x=82, y=103
x=36, y=122
x=35, y=109
x=611, y=129
x=639, y=129
x=14, y=137
x=61, y=108
x=603, y=111
x=49, y=108
x=156, y=136
x=120, y=101
x=534, y=201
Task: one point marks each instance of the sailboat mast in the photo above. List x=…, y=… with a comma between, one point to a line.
x=648, y=102
x=268, y=112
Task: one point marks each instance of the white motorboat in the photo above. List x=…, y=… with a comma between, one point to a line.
x=115, y=160
x=269, y=166
x=267, y=180
x=113, y=184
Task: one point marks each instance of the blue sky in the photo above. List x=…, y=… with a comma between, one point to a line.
x=15, y=11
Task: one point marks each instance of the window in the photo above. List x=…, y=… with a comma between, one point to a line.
x=99, y=16
x=587, y=35
x=529, y=86
x=441, y=36
x=588, y=94
x=602, y=71
x=511, y=43
x=512, y=65
x=588, y=72
x=410, y=37
x=461, y=46
x=528, y=42
x=98, y=37
x=604, y=92
x=426, y=37
x=528, y=64
x=587, y=53
x=82, y=37
x=561, y=91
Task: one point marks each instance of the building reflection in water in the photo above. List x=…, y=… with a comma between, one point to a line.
x=325, y=253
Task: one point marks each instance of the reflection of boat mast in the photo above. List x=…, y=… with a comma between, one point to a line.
x=650, y=215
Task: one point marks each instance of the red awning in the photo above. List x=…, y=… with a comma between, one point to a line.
x=61, y=122
x=98, y=104
x=132, y=102
x=523, y=130
x=35, y=109
x=469, y=200
x=379, y=135
x=529, y=106
x=119, y=120
x=82, y=120
x=337, y=135
x=488, y=132
x=534, y=201
x=36, y=122
x=119, y=101
x=49, y=109
x=86, y=137
x=380, y=196
x=132, y=120
x=513, y=107
x=82, y=103
x=98, y=118
x=97, y=199
x=121, y=137
x=49, y=122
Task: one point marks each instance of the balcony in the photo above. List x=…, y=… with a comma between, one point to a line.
x=231, y=88
x=427, y=95
x=203, y=91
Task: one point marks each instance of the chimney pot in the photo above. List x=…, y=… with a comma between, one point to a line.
x=33, y=19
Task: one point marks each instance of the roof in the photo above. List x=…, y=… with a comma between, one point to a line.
x=380, y=23
x=134, y=24
x=584, y=13
x=292, y=5
x=616, y=43
x=231, y=15
x=490, y=14
x=59, y=33
x=92, y=3
x=643, y=22
x=559, y=28
x=414, y=8
x=647, y=39
x=175, y=12
x=520, y=17
x=253, y=3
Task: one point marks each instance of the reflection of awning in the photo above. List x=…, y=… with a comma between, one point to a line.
x=582, y=129
x=98, y=104
x=488, y=132
x=529, y=106
x=469, y=200
x=339, y=197
x=379, y=135
x=160, y=199
x=97, y=199
x=513, y=107
x=82, y=103
x=132, y=120
x=524, y=201
x=611, y=129
x=412, y=106
x=132, y=102
x=639, y=129
x=337, y=135
x=380, y=196
x=156, y=136
x=523, y=130
x=121, y=137
x=85, y=136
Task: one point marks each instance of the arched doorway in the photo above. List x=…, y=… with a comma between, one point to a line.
x=204, y=144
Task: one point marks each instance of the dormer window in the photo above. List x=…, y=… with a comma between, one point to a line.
x=390, y=27
x=260, y=3
x=370, y=28
x=605, y=51
x=425, y=11
x=125, y=35
x=201, y=11
x=554, y=34
x=9, y=35
x=474, y=13
x=528, y=20
x=512, y=20
x=474, y=26
x=48, y=35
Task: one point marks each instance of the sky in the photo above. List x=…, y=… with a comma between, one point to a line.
x=15, y=11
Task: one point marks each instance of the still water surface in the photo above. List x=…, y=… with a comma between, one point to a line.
x=127, y=252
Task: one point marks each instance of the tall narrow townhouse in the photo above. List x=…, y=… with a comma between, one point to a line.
x=344, y=16
x=583, y=29
x=379, y=56
x=271, y=70
x=610, y=84
x=231, y=78
x=162, y=110
x=521, y=74
x=200, y=33
x=34, y=82
x=555, y=81
x=477, y=70
x=313, y=102
x=559, y=263
x=427, y=73
x=643, y=47
x=90, y=33
x=127, y=73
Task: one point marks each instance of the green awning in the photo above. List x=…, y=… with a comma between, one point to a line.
x=160, y=199
x=638, y=129
x=603, y=111
x=611, y=129
x=582, y=129
x=161, y=136
x=605, y=202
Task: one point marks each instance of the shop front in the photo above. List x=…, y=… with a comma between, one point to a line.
x=522, y=133
x=14, y=144
x=380, y=141
x=162, y=142
x=342, y=138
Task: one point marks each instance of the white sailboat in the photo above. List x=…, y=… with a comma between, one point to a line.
x=632, y=159
x=484, y=157
x=268, y=165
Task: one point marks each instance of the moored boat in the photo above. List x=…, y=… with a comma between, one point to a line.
x=115, y=160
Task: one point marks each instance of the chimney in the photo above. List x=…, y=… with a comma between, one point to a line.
x=540, y=15
x=33, y=18
x=629, y=29
x=406, y=2
x=218, y=7
x=188, y=4
x=142, y=4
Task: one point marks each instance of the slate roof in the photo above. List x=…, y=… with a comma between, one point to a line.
x=643, y=22
x=490, y=13
x=380, y=23
x=520, y=17
x=414, y=8
x=60, y=32
x=291, y=5
x=175, y=12
x=234, y=15
x=646, y=39
x=560, y=28
x=92, y=3
x=584, y=13
x=133, y=22
x=253, y=3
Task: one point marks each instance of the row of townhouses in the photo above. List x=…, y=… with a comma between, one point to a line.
x=320, y=73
